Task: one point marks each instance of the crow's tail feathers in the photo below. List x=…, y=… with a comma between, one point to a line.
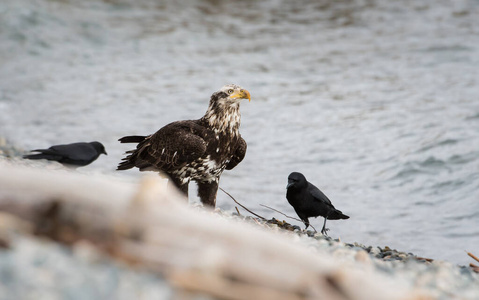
x=132, y=139
x=336, y=215
x=43, y=156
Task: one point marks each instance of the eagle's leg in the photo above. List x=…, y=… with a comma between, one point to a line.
x=183, y=187
x=207, y=192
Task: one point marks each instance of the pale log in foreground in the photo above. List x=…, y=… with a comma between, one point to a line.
x=197, y=252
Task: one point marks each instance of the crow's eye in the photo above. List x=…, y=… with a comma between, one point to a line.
x=230, y=92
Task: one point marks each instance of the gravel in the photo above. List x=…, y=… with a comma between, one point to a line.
x=37, y=269
x=440, y=278
x=32, y=268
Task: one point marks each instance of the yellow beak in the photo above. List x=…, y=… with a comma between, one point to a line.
x=241, y=94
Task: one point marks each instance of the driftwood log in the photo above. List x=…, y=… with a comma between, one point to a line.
x=197, y=252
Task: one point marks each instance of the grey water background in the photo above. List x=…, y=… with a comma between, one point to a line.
x=376, y=102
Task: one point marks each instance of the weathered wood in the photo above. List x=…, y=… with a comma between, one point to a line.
x=473, y=256
x=196, y=251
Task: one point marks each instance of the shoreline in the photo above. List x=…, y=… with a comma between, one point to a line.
x=440, y=279
x=14, y=154
x=376, y=252
x=436, y=279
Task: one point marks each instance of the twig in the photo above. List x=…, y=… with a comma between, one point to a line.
x=473, y=256
x=424, y=258
x=242, y=205
x=289, y=216
x=239, y=214
x=257, y=222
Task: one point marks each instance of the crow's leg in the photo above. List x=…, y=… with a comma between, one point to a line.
x=183, y=187
x=306, y=222
x=207, y=192
x=324, y=230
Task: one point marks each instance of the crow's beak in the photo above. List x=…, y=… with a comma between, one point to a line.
x=104, y=152
x=289, y=184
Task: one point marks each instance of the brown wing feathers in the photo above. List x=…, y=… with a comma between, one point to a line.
x=170, y=147
x=238, y=156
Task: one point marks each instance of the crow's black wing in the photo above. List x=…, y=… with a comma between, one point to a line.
x=318, y=195
x=74, y=152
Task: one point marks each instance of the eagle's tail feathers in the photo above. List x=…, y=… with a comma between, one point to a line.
x=124, y=165
x=132, y=139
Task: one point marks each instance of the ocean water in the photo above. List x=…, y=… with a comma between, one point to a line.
x=376, y=102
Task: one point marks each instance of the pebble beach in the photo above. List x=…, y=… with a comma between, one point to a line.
x=55, y=271
x=443, y=278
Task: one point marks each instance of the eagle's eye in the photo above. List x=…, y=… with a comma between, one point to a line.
x=230, y=91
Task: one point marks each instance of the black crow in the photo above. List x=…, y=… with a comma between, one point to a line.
x=76, y=154
x=308, y=201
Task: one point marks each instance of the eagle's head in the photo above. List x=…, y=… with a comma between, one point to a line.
x=230, y=94
x=223, y=111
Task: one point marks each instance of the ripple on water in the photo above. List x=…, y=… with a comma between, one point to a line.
x=463, y=158
x=466, y=216
x=424, y=167
x=425, y=203
x=448, y=185
x=473, y=117
x=437, y=144
x=432, y=162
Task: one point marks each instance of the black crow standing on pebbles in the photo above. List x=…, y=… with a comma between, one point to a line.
x=308, y=201
x=73, y=155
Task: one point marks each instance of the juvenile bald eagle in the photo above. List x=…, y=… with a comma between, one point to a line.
x=197, y=150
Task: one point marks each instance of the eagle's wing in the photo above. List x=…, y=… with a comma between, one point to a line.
x=318, y=195
x=171, y=147
x=238, y=155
